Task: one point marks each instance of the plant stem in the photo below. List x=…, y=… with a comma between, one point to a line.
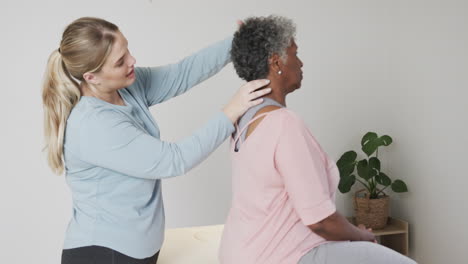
x=373, y=179
x=381, y=191
x=365, y=185
x=375, y=184
x=373, y=187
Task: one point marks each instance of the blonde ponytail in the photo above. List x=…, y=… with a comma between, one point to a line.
x=85, y=45
x=60, y=93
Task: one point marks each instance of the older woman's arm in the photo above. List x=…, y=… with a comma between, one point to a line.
x=337, y=228
x=301, y=162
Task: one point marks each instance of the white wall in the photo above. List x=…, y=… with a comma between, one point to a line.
x=395, y=67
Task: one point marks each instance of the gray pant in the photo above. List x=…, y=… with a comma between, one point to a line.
x=358, y=252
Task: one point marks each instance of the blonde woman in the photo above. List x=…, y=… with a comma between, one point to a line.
x=100, y=133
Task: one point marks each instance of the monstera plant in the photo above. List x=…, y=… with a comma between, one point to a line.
x=368, y=169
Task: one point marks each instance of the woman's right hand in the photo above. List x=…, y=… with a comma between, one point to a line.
x=366, y=234
x=245, y=98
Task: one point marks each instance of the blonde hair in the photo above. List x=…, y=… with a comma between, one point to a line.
x=85, y=45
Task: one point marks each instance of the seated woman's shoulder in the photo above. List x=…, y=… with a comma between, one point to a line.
x=280, y=113
x=291, y=119
x=268, y=108
x=284, y=112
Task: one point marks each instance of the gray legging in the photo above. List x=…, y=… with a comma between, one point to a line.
x=357, y=252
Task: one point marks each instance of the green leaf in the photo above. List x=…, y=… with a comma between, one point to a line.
x=399, y=186
x=369, y=136
x=346, y=158
x=370, y=142
x=346, y=163
x=386, y=140
x=346, y=183
x=363, y=169
x=374, y=165
x=383, y=179
x=346, y=170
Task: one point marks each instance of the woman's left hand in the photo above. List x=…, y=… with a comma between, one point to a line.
x=246, y=97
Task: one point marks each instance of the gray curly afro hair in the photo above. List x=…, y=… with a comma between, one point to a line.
x=256, y=41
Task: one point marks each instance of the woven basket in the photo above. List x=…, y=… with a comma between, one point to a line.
x=373, y=213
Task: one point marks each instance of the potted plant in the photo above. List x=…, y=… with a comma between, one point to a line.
x=371, y=204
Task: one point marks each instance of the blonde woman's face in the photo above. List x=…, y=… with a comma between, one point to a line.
x=118, y=71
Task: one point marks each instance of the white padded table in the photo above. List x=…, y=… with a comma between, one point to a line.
x=191, y=245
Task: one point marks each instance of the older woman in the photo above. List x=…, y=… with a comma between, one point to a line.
x=284, y=184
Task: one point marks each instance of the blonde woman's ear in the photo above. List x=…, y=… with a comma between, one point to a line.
x=90, y=77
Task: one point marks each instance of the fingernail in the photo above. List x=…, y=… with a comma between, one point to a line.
x=267, y=81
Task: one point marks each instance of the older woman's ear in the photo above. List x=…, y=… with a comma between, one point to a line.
x=275, y=63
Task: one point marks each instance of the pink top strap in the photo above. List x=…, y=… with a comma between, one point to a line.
x=247, y=125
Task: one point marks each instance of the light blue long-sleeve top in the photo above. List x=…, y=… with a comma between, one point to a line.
x=115, y=160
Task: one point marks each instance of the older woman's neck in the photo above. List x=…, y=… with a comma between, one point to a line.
x=276, y=94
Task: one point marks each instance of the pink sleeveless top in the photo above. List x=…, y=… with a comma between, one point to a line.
x=282, y=181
